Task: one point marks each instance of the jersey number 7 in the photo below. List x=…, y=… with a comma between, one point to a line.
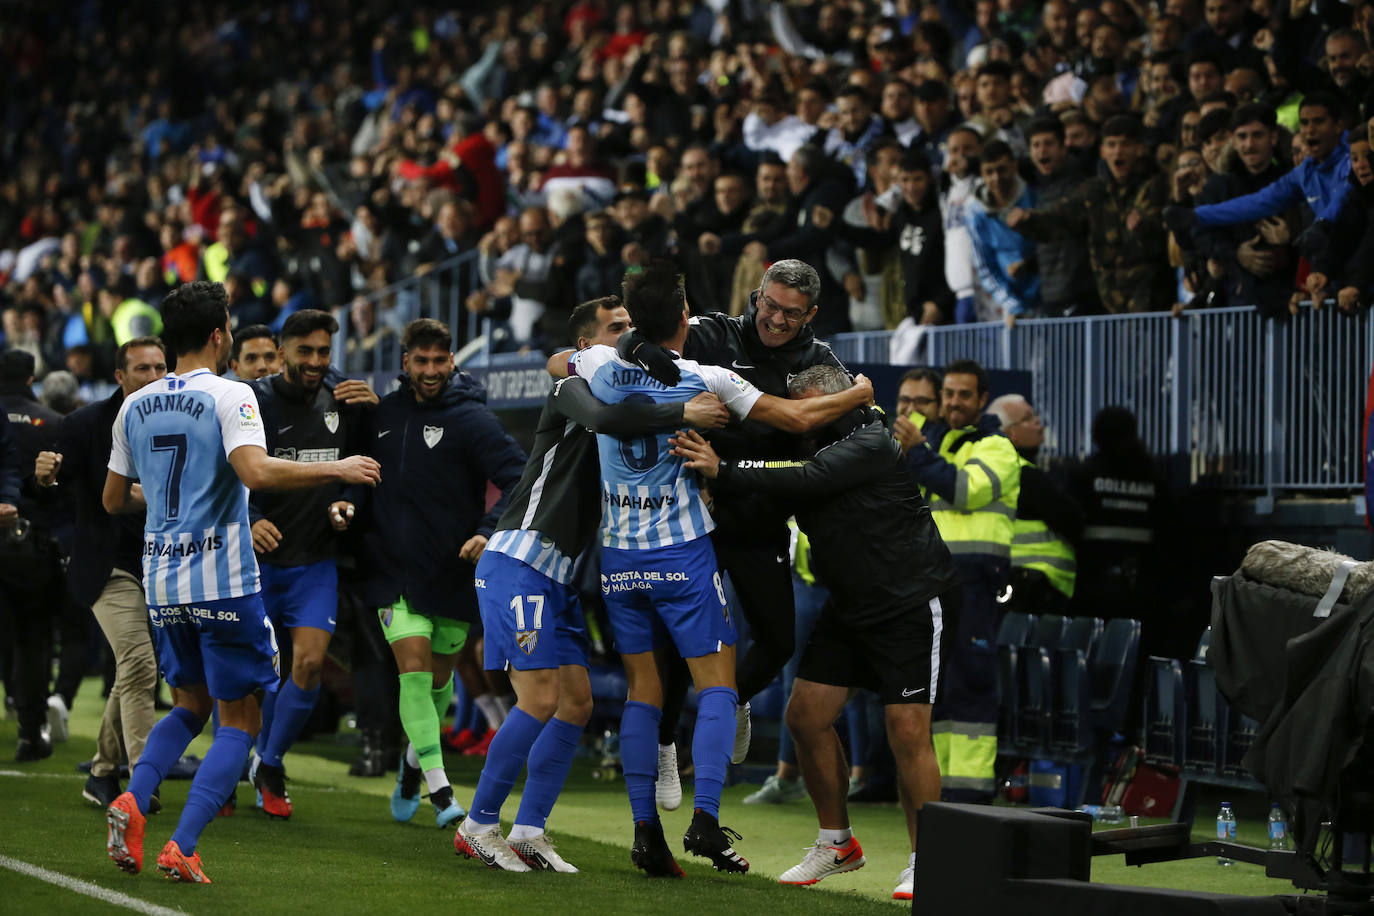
x=176, y=444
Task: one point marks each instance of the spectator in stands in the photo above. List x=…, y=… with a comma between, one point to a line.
x=1256, y=256
x=1121, y=214
x=1321, y=180
x=520, y=290
x=701, y=236
x=1066, y=282
x=857, y=130
x=1004, y=259
x=915, y=228
x=254, y=354
x=957, y=187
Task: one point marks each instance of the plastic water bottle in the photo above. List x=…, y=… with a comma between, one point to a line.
x=1105, y=814
x=1226, y=830
x=1278, y=828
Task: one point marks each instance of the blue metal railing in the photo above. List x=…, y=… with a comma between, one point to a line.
x=440, y=293
x=1250, y=404
x=1246, y=403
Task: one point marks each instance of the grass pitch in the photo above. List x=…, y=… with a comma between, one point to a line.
x=342, y=853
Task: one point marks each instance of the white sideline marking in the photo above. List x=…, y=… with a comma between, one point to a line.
x=85, y=887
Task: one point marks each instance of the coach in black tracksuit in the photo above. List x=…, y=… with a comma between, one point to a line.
x=771, y=341
x=876, y=547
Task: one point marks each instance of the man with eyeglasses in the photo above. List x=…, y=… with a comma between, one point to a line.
x=1048, y=520
x=918, y=399
x=767, y=345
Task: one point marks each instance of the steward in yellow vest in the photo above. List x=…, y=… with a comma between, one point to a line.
x=971, y=476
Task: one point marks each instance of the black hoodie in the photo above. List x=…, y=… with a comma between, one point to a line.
x=436, y=459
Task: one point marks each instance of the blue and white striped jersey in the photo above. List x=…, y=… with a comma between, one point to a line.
x=174, y=436
x=647, y=499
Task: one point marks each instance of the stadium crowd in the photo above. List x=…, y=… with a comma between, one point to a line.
x=947, y=161
x=931, y=163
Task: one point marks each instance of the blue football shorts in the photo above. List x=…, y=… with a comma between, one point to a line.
x=530, y=621
x=301, y=596
x=666, y=591
x=228, y=645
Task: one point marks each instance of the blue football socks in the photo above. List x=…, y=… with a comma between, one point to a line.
x=505, y=760
x=269, y=714
x=216, y=778
x=639, y=755
x=549, y=762
x=712, y=743
x=293, y=706
x=167, y=741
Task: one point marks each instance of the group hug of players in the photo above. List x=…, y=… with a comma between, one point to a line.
x=618, y=455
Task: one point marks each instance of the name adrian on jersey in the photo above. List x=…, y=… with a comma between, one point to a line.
x=624, y=378
x=178, y=550
x=640, y=502
x=165, y=403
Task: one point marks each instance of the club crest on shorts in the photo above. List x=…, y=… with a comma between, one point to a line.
x=527, y=640
x=433, y=434
x=331, y=420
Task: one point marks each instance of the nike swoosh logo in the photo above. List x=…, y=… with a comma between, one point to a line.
x=782, y=558
x=332, y=621
x=739, y=365
x=383, y=433
x=490, y=813
x=840, y=860
x=284, y=429
x=912, y=693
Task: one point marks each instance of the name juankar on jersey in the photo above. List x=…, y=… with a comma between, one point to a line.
x=167, y=403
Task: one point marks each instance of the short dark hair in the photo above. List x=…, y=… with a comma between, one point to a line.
x=191, y=313
x=922, y=374
x=1123, y=125
x=252, y=332
x=582, y=321
x=654, y=298
x=122, y=354
x=855, y=92
x=426, y=332
x=969, y=367
x=915, y=160
x=305, y=322
x=882, y=146
x=16, y=367
x=1045, y=124
x=1322, y=98
x=997, y=68
x=1252, y=112
x=820, y=87
x=1221, y=95
x=998, y=149
x=1211, y=124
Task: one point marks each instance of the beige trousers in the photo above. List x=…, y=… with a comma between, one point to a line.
x=123, y=616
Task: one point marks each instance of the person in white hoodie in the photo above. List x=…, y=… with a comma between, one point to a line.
x=958, y=185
